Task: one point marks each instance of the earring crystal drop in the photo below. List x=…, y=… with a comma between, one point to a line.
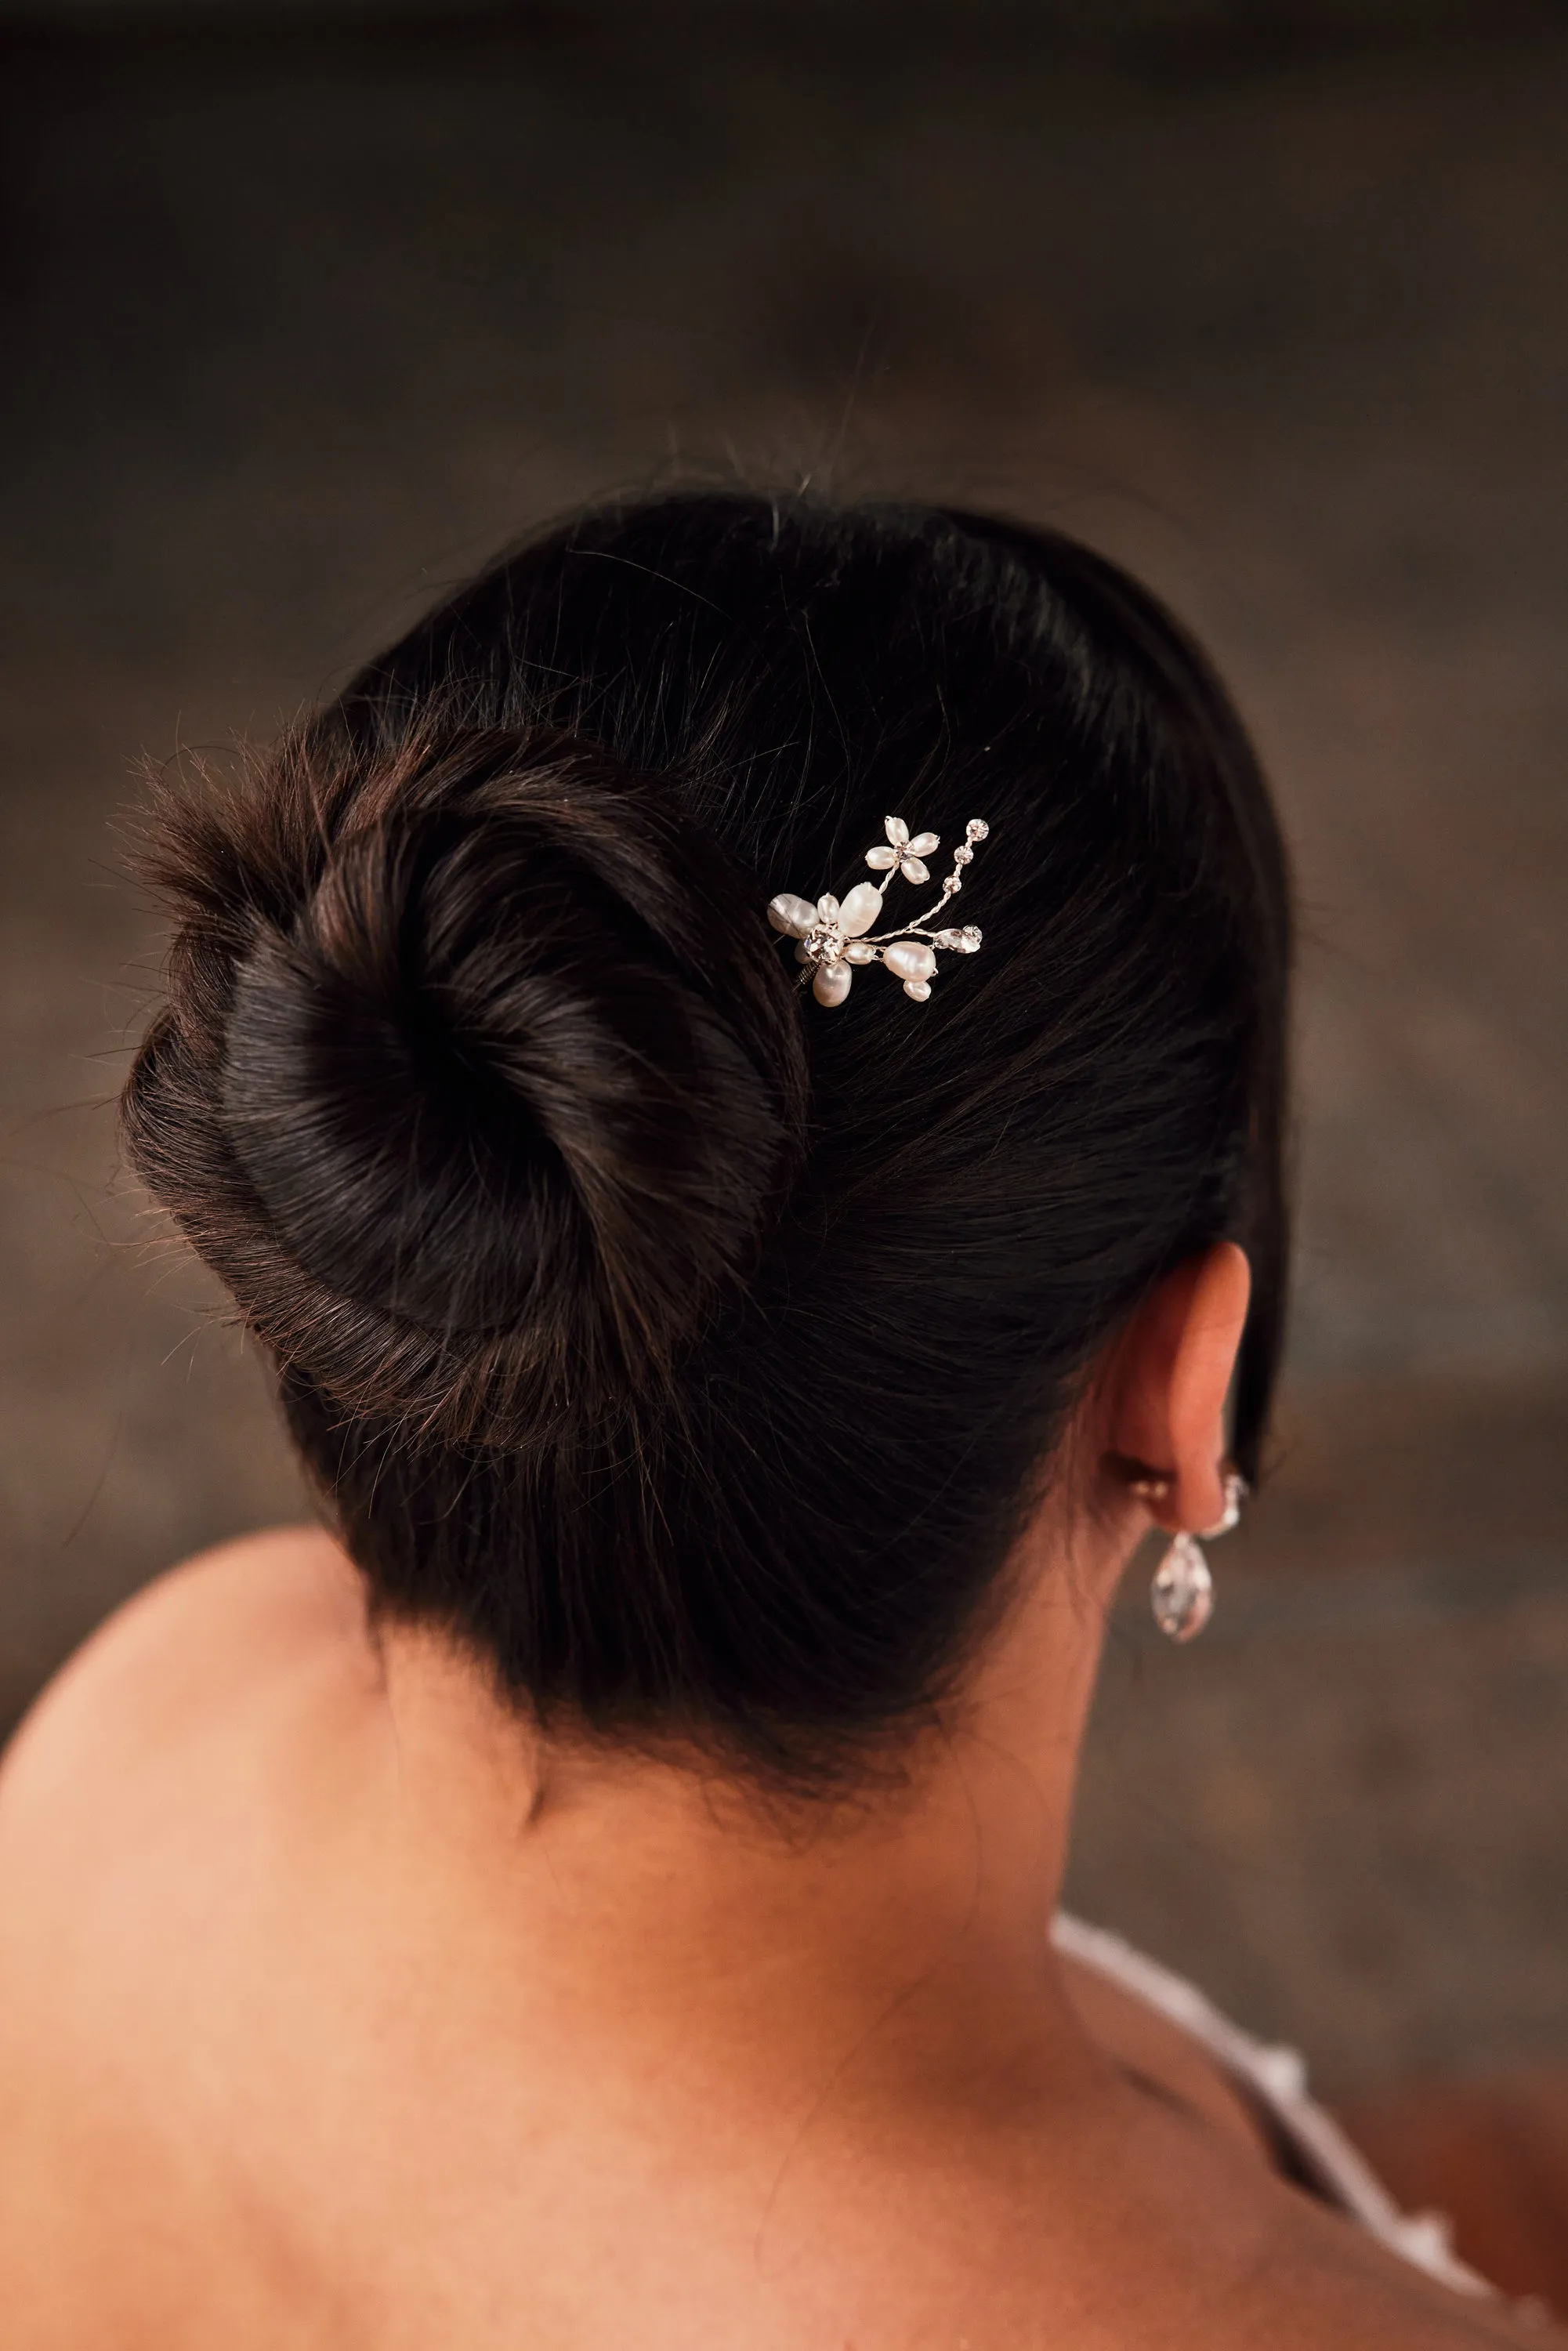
x=1182, y=1594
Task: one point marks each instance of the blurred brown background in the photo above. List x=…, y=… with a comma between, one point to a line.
x=307, y=310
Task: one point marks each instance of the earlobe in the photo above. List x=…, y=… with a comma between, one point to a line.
x=1173, y=1378
x=1203, y=1369
x=1170, y=1383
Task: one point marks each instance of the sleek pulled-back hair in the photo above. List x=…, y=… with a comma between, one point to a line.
x=690, y=1352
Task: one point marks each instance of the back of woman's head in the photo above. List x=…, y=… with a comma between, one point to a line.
x=690, y=1351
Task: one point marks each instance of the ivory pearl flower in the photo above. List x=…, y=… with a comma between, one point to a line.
x=834, y=939
x=908, y=855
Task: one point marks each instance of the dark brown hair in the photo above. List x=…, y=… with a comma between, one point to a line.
x=690, y=1352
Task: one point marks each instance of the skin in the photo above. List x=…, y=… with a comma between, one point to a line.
x=337, y=2010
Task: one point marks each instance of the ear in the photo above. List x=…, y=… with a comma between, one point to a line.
x=1169, y=1379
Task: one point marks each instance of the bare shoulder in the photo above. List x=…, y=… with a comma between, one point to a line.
x=1343, y=2289
x=116, y=1754
x=176, y=1657
x=138, y=1820
x=1327, y=2283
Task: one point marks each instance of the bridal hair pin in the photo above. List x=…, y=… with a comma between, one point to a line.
x=833, y=939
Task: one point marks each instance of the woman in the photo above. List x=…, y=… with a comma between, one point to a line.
x=599, y=1895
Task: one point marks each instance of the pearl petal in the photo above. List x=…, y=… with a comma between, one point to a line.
x=859, y=910
x=896, y=830
x=907, y=959
x=794, y=917
x=831, y=984
x=914, y=869
x=857, y=951
x=924, y=842
x=827, y=908
x=881, y=860
x=918, y=990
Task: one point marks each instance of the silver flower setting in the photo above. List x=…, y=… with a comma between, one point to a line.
x=833, y=938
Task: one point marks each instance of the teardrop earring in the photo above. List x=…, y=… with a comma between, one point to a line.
x=1182, y=1592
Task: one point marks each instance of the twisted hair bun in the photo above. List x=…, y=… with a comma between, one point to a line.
x=481, y=1085
x=477, y=1083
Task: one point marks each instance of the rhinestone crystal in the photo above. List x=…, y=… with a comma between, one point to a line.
x=1182, y=1594
x=1234, y=1495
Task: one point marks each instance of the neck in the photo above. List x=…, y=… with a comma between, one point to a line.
x=653, y=1893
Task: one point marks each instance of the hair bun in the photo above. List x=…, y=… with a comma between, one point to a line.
x=508, y=1082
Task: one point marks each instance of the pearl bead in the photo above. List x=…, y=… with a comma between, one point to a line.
x=794, y=917
x=918, y=990
x=860, y=909
x=857, y=951
x=831, y=984
x=907, y=959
